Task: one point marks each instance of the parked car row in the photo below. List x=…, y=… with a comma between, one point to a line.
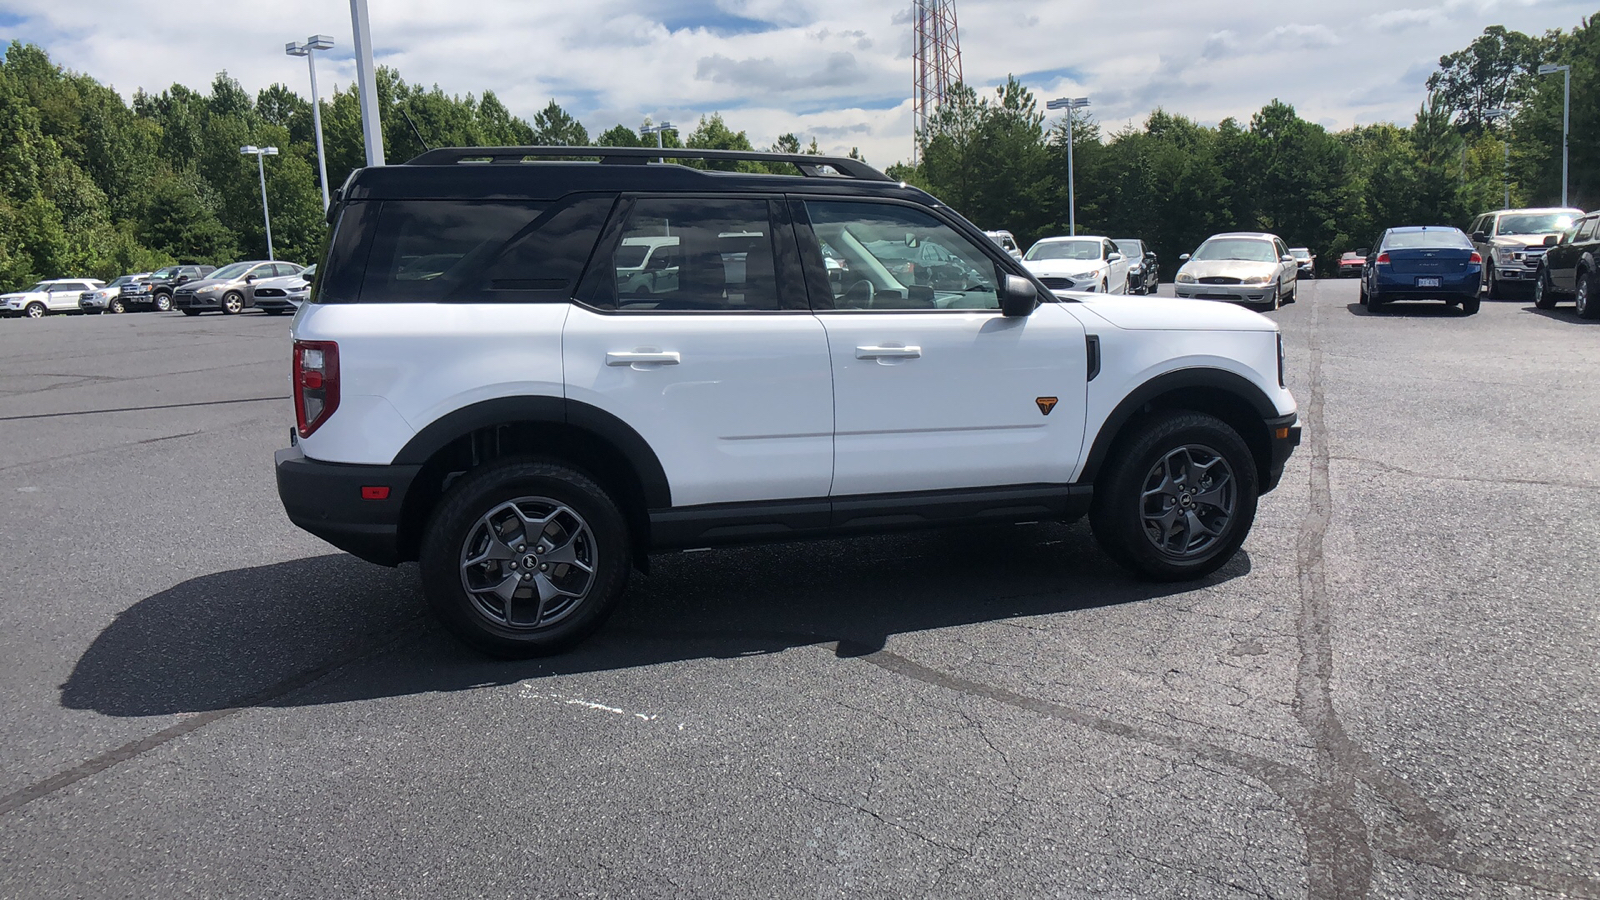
x=1093, y=264
x=270, y=286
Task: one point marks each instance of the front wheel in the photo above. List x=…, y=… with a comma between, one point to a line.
x=36, y=310
x=274, y=311
x=191, y=312
x=1543, y=297
x=525, y=557
x=163, y=303
x=116, y=306
x=1584, y=300
x=1495, y=293
x=232, y=303
x=1180, y=498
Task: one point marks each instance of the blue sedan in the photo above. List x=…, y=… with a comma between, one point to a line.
x=1423, y=263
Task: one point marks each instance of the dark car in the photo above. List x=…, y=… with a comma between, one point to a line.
x=155, y=291
x=1351, y=262
x=1423, y=262
x=1570, y=266
x=1144, y=272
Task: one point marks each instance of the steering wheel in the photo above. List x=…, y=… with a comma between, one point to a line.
x=854, y=293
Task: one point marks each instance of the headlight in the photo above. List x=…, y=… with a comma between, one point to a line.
x=1133, y=269
x=1504, y=254
x=1185, y=278
x=1256, y=279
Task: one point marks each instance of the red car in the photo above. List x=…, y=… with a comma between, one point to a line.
x=1350, y=264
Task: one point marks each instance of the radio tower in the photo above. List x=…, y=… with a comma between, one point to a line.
x=936, y=58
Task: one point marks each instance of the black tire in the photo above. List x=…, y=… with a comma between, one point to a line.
x=1363, y=292
x=35, y=310
x=232, y=303
x=116, y=306
x=1470, y=305
x=1495, y=291
x=1118, y=512
x=1277, y=299
x=1543, y=296
x=163, y=303
x=1293, y=295
x=475, y=500
x=191, y=312
x=272, y=311
x=1584, y=300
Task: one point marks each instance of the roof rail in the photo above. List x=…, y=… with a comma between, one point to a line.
x=810, y=166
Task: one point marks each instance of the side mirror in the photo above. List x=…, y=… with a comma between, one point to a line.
x=1551, y=240
x=1480, y=237
x=1286, y=258
x=1018, y=298
x=1183, y=258
x=250, y=277
x=1364, y=252
x=1114, y=257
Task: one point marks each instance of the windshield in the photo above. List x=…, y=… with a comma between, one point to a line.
x=631, y=256
x=1247, y=249
x=1409, y=240
x=1534, y=223
x=228, y=272
x=41, y=286
x=1129, y=246
x=1300, y=252
x=126, y=279
x=168, y=272
x=1064, y=250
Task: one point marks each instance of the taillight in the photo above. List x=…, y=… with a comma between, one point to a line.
x=316, y=383
x=1476, y=259
x=1383, y=259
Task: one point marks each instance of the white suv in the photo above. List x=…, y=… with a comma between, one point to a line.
x=482, y=383
x=55, y=295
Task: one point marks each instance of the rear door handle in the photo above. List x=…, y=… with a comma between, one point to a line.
x=635, y=357
x=888, y=353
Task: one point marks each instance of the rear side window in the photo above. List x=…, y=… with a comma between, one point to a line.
x=458, y=251
x=1587, y=231
x=685, y=254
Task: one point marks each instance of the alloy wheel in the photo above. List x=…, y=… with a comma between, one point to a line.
x=1188, y=501
x=35, y=311
x=1583, y=298
x=163, y=303
x=528, y=563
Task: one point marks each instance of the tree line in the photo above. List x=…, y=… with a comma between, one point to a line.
x=91, y=185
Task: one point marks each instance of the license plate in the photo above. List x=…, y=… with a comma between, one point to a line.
x=1427, y=282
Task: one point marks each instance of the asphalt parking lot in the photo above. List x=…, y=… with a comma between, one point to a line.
x=1391, y=692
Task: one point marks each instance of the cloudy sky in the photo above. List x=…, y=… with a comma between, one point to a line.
x=839, y=70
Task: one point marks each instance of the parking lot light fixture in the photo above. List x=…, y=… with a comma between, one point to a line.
x=307, y=49
x=1566, y=119
x=1069, y=104
x=657, y=130
x=260, y=153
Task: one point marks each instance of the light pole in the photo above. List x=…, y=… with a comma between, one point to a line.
x=1505, y=144
x=656, y=130
x=1069, y=104
x=261, y=167
x=1566, y=119
x=367, y=82
x=295, y=48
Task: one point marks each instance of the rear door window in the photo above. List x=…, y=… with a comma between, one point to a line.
x=701, y=254
x=1587, y=231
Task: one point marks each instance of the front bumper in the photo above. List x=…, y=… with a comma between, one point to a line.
x=196, y=301
x=326, y=500
x=1283, y=435
x=1237, y=293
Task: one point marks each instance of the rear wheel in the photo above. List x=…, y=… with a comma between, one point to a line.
x=1584, y=300
x=1469, y=305
x=525, y=557
x=1363, y=290
x=1180, y=498
x=1543, y=296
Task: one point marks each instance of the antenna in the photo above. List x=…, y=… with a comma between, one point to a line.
x=414, y=131
x=936, y=61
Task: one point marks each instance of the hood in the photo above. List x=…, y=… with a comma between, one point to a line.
x=200, y=284
x=1228, y=268
x=1521, y=240
x=1065, y=268
x=1172, y=314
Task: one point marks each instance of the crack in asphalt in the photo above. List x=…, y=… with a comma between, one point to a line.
x=1472, y=479
x=122, y=409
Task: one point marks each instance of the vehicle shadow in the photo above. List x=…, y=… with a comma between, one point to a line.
x=272, y=635
x=1418, y=309
x=1562, y=313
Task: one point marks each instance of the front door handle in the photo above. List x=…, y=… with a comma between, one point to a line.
x=888, y=353
x=636, y=357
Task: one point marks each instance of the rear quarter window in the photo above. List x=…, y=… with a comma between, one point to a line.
x=458, y=251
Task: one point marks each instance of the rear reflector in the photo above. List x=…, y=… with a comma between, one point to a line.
x=376, y=492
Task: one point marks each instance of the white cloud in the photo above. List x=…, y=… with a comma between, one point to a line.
x=836, y=69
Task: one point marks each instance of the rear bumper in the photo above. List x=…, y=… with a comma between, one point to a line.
x=326, y=500
x=1283, y=435
x=1392, y=284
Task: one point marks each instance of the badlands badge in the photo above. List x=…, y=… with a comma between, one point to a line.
x=1045, y=404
